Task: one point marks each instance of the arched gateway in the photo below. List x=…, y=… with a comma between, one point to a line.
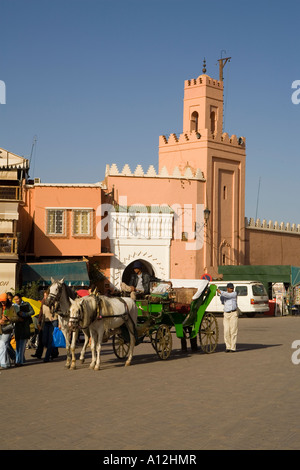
x=147, y=267
x=144, y=236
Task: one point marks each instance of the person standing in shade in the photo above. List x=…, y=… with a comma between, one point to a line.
x=49, y=322
x=230, y=319
x=10, y=349
x=22, y=327
x=40, y=348
x=8, y=317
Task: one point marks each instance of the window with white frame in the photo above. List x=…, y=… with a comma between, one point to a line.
x=82, y=222
x=55, y=221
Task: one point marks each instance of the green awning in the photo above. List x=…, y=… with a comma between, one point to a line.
x=295, y=275
x=75, y=273
x=263, y=273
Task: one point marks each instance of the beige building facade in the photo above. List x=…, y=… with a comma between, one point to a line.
x=13, y=174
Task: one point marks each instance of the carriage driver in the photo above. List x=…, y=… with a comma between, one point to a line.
x=139, y=282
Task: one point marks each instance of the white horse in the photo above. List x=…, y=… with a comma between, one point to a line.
x=104, y=315
x=59, y=300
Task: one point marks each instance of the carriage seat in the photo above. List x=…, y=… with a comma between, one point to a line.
x=191, y=317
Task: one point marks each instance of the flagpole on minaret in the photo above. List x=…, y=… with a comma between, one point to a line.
x=222, y=62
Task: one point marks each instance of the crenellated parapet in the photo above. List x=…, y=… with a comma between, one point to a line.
x=227, y=139
x=179, y=139
x=188, y=173
x=203, y=80
x=272, y=226
x=204, y=134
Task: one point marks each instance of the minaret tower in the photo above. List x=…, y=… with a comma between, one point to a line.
x=203, y=145
x=203, y=104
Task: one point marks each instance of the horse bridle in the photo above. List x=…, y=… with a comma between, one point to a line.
x=75, y=320
x=53, y=298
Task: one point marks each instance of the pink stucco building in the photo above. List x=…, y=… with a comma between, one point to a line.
x=201, y=172
x=58, y=223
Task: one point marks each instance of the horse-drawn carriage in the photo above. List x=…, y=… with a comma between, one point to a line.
x=131, y=323
x=165, y=309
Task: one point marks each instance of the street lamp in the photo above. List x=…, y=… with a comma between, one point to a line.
x=198, y=228
x=206, y=213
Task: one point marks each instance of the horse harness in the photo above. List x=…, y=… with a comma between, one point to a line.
x=97, y=316
x=125, y=316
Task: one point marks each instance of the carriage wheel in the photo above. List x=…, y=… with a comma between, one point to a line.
x=120, y=346
x=163, y=342
x=209, y=333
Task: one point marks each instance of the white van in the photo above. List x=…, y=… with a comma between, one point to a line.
x=252, y=297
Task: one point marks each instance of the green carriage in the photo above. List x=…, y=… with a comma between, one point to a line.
x=161, y=313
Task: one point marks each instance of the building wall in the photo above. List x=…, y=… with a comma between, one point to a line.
x=272, y=246
x=13, y=173
x=39, y=199
x=226, y=198
x=183, y=195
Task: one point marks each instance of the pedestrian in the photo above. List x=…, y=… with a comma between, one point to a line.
x=40, y=347
x=22, y=327
x=193, y=341
x=49, y=322
x=8, y=317
x=10, y=349
x=230, y=318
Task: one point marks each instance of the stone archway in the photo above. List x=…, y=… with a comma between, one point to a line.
x=156, y=266
x=147, y=267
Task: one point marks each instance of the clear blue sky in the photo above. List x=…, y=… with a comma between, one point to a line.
x=97, y=81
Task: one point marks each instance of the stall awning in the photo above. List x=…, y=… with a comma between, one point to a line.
x=263, y=273
x=75, y=273
x=9, y=210
x=295, y=275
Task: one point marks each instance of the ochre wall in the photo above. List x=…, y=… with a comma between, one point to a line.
x=268, y=248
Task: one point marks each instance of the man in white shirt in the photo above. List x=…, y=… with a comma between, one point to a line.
x=230, y=319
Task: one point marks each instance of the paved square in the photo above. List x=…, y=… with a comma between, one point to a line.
x=244, y=400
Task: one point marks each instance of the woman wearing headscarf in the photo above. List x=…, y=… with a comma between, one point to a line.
x=8, y=316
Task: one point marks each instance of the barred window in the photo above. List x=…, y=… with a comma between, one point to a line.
x=82, y=222
x=55, y=221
